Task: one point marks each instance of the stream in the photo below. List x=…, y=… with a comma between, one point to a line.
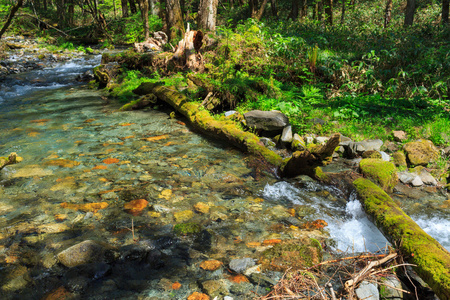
x=79, y=149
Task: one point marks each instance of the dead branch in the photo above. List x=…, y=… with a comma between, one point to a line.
x=350, y=284
x=46, y=24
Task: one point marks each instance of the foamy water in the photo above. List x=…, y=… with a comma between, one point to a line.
x=348, y=224
x=437, y=227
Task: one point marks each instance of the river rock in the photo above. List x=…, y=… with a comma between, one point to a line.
x=417, y=181
x=241, y=264
x=298, y=143
x=399, y=135
x=427, y=178
x=391, y=288
x=215, y=288
x=286, y=135
x=399, y=159
x=367, y=291
x=82, y=253
x=421, y=152
x=266, y=120
x=320, y=140
x=405, y=177
x=357, y=148
x=263, y=280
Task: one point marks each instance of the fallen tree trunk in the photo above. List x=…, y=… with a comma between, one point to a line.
x=431, y=258
x=199, y=117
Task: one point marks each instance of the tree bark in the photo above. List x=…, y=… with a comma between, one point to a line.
x=187, y=55
x=445, y=11
x=133, y=9
x=174, y=19
x=329, y=12
x=343, y=11
x=143, y=4
x=261, y=10
x=253, y=4
x=207, y=14
x=10, y=17
x=293, y=15
x=409, y=12
x=154, y=7
x=273, y=7
x=387, y=14
x=304, y=9
x=124, y=8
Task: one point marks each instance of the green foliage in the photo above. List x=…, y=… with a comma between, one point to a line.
x=130, y=30
x=129, y=81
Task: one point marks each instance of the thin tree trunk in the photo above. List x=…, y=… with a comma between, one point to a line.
x=293, y=15
x=387, y=15
x=154, y=7
x=343, y=11
x=319, y=10
x=124, y=8
x=445, y=11
x=133, y=9
x=44, y=3
x=329, y=12
x=273, y=7
x=409, y=12
x=304, y=10
x=143, y=4
x=261, y=10
x=14, y=9
x=70, y=13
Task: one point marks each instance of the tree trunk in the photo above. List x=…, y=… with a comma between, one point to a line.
x=61, y=13
x=445, y=11
x=253, y=4
x=343, y=11
x=10, y=17
x=409, y=12
x=261, y=10
x=44, y=3
x=207, y=13
x=319, y=10
x=293, y=15
x=154, y=7
x=143, y=4
x=133, y=9
x=124, y=8
x=187, y=55
x=329, y=12
x=273, y=7
x=174, y=19
x=70, y=13
x=387, y=15
x=304, y=10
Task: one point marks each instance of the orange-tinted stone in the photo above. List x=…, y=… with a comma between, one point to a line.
x=156, y=138
x=253, y=244
x=109, y=191
x=100, y=167
x=59, y=294
x=135, y=207
x=60, y=217
x=33, y=133
x=181, y=123
x=211, y=265
x=168, y=144
x=176, y=286
x=127, y=137
x=314, y=225
x=291, y=211
x=238, y=278
x=198, y=296
x=89, y=121
x=40, y=121
x=66, y=163
x=126, y=124
x=94, y=207
x=271, y=242
x=109, y=161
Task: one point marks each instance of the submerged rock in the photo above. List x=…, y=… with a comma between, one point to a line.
x=241, y=264
x=82, y=253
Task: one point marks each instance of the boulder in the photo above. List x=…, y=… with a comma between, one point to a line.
x=82, y=253
x=357, y=148
x=266, y=120
x=381, y=172
x=286, y=135
x=421, y=152
x=427, y=178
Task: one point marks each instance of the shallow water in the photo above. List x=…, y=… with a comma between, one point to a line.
x=79, y=149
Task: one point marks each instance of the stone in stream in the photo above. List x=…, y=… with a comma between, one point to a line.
x=367, y=291
x=82, y=253
x=391, y=288
x=421, y=152
x=286, y=135
x=241, y=264
x=357, y=148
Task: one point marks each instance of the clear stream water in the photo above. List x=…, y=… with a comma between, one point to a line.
x=79, y=149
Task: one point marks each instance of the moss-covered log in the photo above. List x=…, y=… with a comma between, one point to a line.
x=221, y=129
x=432, y=260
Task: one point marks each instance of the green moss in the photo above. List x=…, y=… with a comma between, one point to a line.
x=321, y=175
x=382, y=172
x=187, y=228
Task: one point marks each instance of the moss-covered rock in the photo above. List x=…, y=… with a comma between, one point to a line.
x=295, y=254
x=381, y=172
x=421, y=152
x=399, y=159
x=371, y=154
x=187, y=228
x=432, y=260
x=9, y=160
